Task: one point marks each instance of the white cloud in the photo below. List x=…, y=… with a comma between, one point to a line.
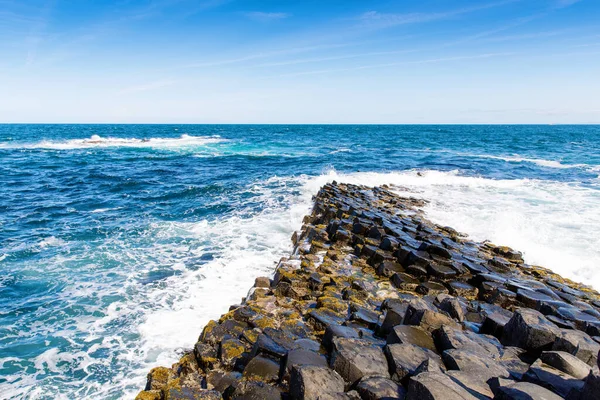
x=267, y=16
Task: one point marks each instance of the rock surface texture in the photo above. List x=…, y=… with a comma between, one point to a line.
x=377, y=302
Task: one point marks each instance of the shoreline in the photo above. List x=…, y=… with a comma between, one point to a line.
x=377, y=301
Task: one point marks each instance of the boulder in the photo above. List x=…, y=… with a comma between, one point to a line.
x=422, y=314
x=436, y=386
x=261, y=369
x=578, y=343
x=530, y=330
x=552, y=379
x=337, y=331
x=405, y=359
x=472, y=382
x=447, y=338
x=354, y=359
x=297, y=357
x=467, y=361
x=409, y=334
x=567, y=363
x=378, y=388
x=524, y=391
x=308, y=382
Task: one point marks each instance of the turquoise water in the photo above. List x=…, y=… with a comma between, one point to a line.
x=118, y=242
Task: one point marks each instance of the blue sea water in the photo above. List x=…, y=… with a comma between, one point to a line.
x=119, y=242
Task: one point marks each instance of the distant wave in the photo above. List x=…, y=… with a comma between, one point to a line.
x=517, y=159
x=96, y=141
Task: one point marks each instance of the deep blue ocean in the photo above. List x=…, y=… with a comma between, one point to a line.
x=119, y=242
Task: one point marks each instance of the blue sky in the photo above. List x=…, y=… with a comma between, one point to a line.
x=327, y=61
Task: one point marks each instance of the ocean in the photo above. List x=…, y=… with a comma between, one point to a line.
x=119, y=242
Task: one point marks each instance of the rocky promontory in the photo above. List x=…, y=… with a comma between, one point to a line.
x=377, y=302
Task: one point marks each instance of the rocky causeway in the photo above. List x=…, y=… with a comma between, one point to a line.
x=377, y=302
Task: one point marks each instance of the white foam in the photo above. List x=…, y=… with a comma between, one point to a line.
x=96, y=141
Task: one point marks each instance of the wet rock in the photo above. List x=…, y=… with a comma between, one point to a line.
x=436, y=386
x=408, y=334
x=524, y=391
x=389, y=268
x=552, y=379
x=354, y=359
x=405, y=359
x=578, y=344
x=566, y=363
x=376, y=388
x=530, y=330
x=405, y=281
x=308, y=382
x=351, y=395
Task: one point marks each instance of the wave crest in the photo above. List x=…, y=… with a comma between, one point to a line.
x=96, y=141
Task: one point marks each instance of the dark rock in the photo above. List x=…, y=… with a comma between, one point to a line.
x=206, y=355
x=405, y=359
x=448, y=338
x=308, y=382
x=453, y=307
x=298, y=357
x=354, y=359
x=261, y=369
x=467, y=361
x=267, y=346
x=393, y=316
x=567, y=363
x=472, y=382
x=404, y=281
x=365, y=317
x=436, y=386
x=408, y=334
x=530, y=330
x=389, y=268
x=253, y=390
x=591, y=387
x=578, y=344
x=378, y=388
x=441, y=271
x=494, y=323
x=337, y=331
x=524, y=391
x=422, y=314
x=552, y=379
x=463, y=289
x=431, y=288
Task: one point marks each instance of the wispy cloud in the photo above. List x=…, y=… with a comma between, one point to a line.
x=147, y=86
x=401, y=63
x=267, y=16
x=377, y=20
